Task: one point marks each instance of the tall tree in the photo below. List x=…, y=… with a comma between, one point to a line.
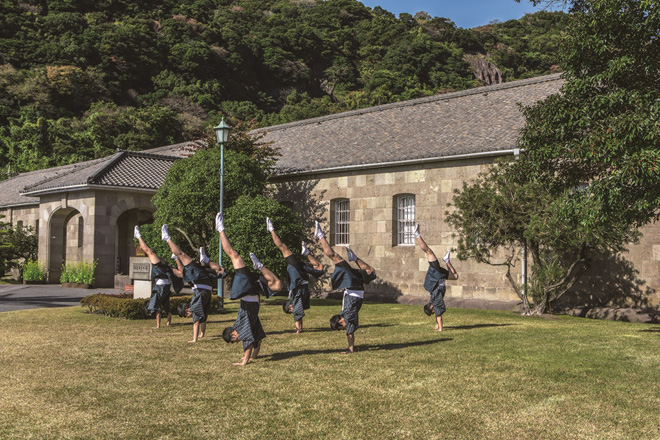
x=189, y=200
x=503, y=210
x=603, y=128
x=590, y=155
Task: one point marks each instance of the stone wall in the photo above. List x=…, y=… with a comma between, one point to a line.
x=114, y=229
x=59, y=238
x=107, y=219
x=401, y=268
x=628, y=279
x=29, y=215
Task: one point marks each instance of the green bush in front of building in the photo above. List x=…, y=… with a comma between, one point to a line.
x=123, y=305
x=34, y=271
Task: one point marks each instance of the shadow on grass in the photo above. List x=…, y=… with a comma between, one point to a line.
x=650, y=330
x=185, y=324
x=42, y=301
x=471, y=327
x=359, y=349
x=323, y=329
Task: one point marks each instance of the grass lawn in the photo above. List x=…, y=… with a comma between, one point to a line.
x=72, y=375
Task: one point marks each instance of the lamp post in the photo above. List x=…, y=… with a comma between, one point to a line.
x=222, y=135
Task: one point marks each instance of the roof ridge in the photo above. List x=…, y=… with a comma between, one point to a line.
x=113, y=160
x=151, y=155
x=413, y=102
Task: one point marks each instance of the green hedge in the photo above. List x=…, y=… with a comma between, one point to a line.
x=124, y=306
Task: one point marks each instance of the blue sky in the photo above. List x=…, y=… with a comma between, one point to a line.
x=465, y=13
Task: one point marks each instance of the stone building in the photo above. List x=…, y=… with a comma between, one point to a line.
x=87, y=211
x=368, y=174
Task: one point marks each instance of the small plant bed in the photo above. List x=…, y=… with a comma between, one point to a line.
x=78, y=274
x=33, y=272
x=123, y=305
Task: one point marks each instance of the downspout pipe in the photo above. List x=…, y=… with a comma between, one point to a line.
x=516, y=153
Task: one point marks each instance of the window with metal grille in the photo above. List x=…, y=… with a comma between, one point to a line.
x=405, y=219
x=342, y=219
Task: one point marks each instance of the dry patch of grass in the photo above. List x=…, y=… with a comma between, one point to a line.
x=69, y=374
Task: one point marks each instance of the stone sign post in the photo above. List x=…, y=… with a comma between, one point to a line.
x=139, y=272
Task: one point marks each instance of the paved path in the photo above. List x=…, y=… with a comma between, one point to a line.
x=20, y=297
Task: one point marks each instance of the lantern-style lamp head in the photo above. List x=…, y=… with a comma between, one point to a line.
x=222, y=131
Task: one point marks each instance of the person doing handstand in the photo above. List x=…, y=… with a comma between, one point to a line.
x=298, y=277
x=434, y=282
x=202, y=280
x=247, y=287
x=352, y=281
x=163, y=277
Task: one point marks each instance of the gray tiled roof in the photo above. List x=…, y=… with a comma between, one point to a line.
x=124, y=169
x=76, y=176
x=136, y=170
x=11, y=189
x=481, y=120
x=484, y=119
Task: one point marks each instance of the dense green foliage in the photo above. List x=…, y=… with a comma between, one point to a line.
x=79, y=79
x=189, y=200
x=80, y=272
x=604, y=126
x=245, y=225
x=17, y=245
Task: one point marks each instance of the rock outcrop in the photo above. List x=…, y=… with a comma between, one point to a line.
x=484, y=70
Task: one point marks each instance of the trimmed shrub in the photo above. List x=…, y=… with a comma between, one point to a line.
x=123, y=305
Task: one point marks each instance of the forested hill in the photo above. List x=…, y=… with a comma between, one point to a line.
x=80, y=78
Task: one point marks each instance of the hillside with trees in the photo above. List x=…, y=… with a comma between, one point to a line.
x=80, y=79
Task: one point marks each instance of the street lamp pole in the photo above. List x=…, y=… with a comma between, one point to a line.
x=222, y=135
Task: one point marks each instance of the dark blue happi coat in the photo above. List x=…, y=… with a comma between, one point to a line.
x=299, y=286
x=160, y=293
x=250, y=283
x=200, y=305
x=196, y=274
x=434, y=283
x=345, y=277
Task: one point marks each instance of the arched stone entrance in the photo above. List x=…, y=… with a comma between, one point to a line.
x=125, y=247
x=66, y=240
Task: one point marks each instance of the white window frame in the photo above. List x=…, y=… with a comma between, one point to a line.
x=342, y=211
x=405, y=220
